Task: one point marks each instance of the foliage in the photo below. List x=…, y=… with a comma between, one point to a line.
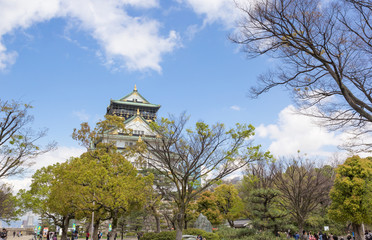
x=9, y=209
x=18, y=141
x=287, y=194
x=207, y=205
x=324, y=50
x=102, y=178
x=51, y=196
x=352, y=192
x=159, y=236
x=246, y=234
x=204, y=234
x=228, y=202
x=261, y=198
x=172, y=235
x=180, y=154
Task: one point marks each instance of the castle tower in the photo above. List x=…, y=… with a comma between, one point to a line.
x=132, y=103
x=138, y=113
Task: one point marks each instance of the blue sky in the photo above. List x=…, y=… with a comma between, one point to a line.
x=69, y=58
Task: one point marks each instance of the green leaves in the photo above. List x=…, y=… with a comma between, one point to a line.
x=351, y=194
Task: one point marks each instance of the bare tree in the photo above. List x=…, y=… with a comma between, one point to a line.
x=324, y=50
x=194, y=159
x=17, y=141
x=303, y=187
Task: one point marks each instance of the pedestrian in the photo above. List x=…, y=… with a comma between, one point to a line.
x=99, y=235
x=116, y=235
x=108, y=236
x=55, y=236
x=87, y=236
x=305, y=236
x=14, y=233
x=4, y=234
x=297, y=236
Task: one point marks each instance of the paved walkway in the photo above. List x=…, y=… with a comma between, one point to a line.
x=30, y=237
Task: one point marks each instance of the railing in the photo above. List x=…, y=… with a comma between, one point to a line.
x=130, y=113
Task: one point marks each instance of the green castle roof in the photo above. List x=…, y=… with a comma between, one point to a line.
x=145, y=103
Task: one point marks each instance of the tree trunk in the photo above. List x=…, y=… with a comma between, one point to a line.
x=300, y=223
x=179, y=224
x=96, y=225
x=64, y=227
x=231, y=222
x=157, y=220
x=114, y=225
x=358, y=232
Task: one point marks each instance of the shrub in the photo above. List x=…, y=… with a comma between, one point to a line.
x=232, y=233
x=246, y=234
x=159, y=236
x=172, y=235
x=206, y=235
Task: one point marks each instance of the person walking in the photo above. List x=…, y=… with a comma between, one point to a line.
x=4, y=234
x=87, y=236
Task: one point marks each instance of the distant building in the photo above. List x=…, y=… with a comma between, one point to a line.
x=29, y=222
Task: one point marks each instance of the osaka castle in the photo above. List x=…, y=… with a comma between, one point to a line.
x=137, y=113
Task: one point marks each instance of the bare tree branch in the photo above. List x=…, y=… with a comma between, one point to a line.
x=325, y=51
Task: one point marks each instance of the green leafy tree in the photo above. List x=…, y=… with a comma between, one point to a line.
x=352, y=193
x=194, y=159
x=104, y=180
x=9, y=204
x=228, y=202
x=207, y=205
x=51, y=197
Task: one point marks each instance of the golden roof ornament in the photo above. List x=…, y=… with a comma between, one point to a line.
x=138, y=113
x=135, y=87
x=139, y=139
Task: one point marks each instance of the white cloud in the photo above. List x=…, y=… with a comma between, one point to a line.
x=132, y=41
x=222, y=11
x=295, y=132
x=61, y=154
x=82, y=115
x=235, y=108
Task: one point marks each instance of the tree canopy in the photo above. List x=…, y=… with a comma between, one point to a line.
x=194, y=159
x=51, y=197
x=352, y=193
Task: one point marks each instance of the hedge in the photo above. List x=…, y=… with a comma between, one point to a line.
x=172, y=235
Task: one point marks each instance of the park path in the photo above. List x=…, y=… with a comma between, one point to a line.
x=29, y=237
